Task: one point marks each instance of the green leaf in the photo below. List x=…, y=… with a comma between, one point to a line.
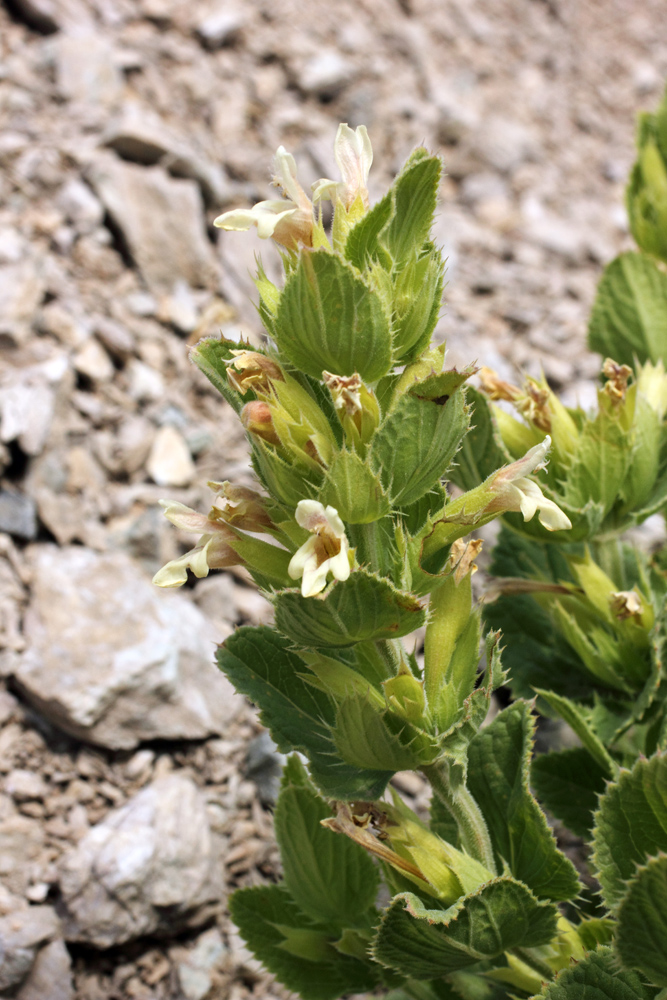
x=261, y=665
x=329, y=320
x=631, y=825
x=629, y=317
x=597, y=976
x=377, y=740
x=212, y=356
x=362, y=244
x=601, y=463
x=482, y=450
x=362, y=607
x=329, y=877
x=642, y=922
x=354, y=490
x=568, y=783
x=415, y=196
x=417, y=304
x=424, y=943
x=574, y=717
x=498, y=771
x=414, y=445
x=265, y=916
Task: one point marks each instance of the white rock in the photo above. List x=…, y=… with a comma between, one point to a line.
x=325, y=74
x=112, y=659
x=50, y=975
x=80, y=206
x=23, y=785
x=94, y=362
x=26, y=411
x=162, y=220
x=170, y=462
x=21, y=842
x=145, y=384
x=12, y=246
x=220, y=27
x=21, y=934
x=61, y=320
x=151, y=866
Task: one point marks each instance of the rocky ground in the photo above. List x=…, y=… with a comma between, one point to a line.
x=135, y=786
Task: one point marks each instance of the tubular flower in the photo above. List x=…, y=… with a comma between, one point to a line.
x=251, y=370
x=289, y=221
x=213, y=550
x=354, y=155
x=325, y=551
x=514, y=492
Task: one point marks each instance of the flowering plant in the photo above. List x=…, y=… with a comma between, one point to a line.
x=376, y=462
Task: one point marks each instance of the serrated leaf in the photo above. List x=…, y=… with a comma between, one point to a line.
x=368, y=738
x=498, y=772
x=642, y=922
x=417, y=304
x=575, y=718
x=415, y=196
x=330, y=320
x=568, y=782
x=265, y=915
x=413, y=447
x=362, y=607
x=599, y=976
x=601, y=464
x=330, y=878
x=424, y=943
x=482, y=450
x=362, y=244
x=261, y=665
x=212, y=355
x=630, y=825
x=354, y=490
x=629, y=317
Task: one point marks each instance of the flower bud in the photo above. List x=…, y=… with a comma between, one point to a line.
x=652, y=383
x=251, y=370
x=356, y=406
x=257, y=419
x=617, y=376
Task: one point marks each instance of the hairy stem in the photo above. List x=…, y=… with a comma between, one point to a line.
x=471, y=824
x=536, y=964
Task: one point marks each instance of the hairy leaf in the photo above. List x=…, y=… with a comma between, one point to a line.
x=597, y=976
x=629, y=317
x=498, y=771
x=265, y=916
x=568, y=783
x=631, y=825
x=642, y=922
x=361, y=607
x=501, y=914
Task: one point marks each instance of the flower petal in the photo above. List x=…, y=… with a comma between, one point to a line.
x=302, y=557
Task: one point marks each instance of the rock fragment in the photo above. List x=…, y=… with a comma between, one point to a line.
x=170, y=462
x=161, y=219
x=18, y=514
x=112, y=660
x=151, y=866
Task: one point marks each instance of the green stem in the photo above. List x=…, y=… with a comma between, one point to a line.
x=473, y=830
x=369, y=549
x=543, y=970
x=391, y=652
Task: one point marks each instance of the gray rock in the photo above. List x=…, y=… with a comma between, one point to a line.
x=152, y=866
x=18, y=514
x=21, y=934
x=86, y=70
x=162, y=221
x=264, y=766
x=50, y=976
x=194, y=973
x=24, y=785
x=49, y=16
x=113, y=660
x=504, y=144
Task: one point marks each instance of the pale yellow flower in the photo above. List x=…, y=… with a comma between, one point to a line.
x=213, y=550
x=354, y=155
x=289, y=221
x=326, y=551
x=515, y=492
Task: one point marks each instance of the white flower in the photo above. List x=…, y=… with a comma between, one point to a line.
x=354, y=155
x=325, y=551
x=514, y=492
x=289, y=221
x=213, y=550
